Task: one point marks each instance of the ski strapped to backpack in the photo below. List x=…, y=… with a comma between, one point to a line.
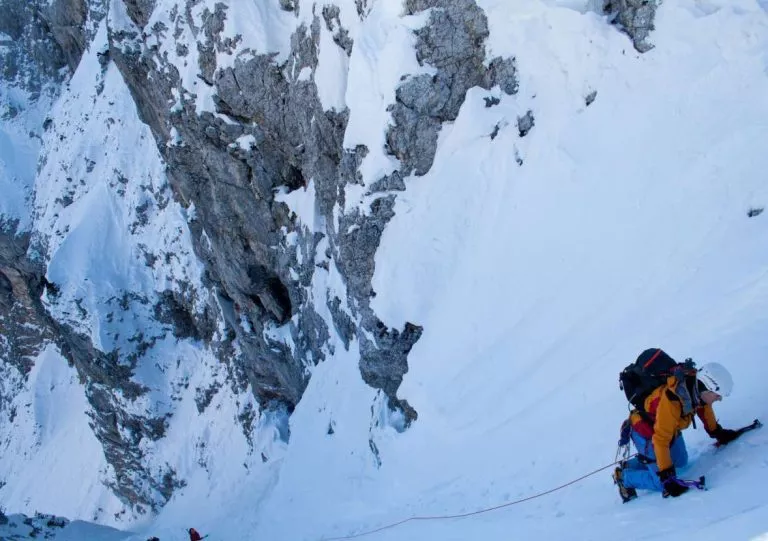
x=649, y=372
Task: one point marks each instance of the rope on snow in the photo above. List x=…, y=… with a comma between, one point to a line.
x=479, y=511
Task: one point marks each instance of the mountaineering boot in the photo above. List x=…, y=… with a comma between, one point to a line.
x=627, y=493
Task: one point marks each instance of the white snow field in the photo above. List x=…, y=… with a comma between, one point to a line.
x=625, y=227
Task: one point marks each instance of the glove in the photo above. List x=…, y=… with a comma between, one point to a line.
x=724, y=436
x=670, y=483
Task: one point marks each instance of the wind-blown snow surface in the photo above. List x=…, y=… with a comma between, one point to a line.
x=625, y=227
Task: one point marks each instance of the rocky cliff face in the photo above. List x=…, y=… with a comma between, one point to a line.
x=238, y=129
x=33, y=65
x=232, y=188
x=295, y=141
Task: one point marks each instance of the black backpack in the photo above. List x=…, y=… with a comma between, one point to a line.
x=642, y=377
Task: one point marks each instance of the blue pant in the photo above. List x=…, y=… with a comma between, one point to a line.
x=638, y=474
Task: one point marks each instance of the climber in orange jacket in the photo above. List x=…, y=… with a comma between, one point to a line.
x=672, y=415
x=660, y=446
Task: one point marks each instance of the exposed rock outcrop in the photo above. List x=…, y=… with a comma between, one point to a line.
x=635, y=17
x=45, y=36
x=66, y=20
x=24, y=323
x=30, y=56
x=453, y=42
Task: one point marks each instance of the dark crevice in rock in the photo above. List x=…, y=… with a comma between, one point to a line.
x=139, y=11
x=174, y=310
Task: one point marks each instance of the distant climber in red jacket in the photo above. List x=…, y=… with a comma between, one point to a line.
x=194, y=536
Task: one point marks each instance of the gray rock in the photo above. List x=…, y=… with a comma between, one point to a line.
x=66, y=21
x=635, y=17
x=139, y=11
x=38, y=526
x=503, y=72
x=33, y=59
x=23, y=321
x=383, y=363
x=331, y=15
x=213, y=26
x=344, y=325
x=525, y=123
x=389, y=183
x=358, y=239
x=453, y=43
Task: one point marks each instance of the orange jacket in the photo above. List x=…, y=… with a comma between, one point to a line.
x=665, y=407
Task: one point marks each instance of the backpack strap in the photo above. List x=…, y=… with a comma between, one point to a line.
x=646, y=417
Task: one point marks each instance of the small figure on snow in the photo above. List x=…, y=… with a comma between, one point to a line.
x=194, y=536
x=666, y=396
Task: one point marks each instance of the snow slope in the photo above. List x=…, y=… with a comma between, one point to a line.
x=624, y=227
x=51, y=445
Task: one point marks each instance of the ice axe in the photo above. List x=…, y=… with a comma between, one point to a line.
x=752, y=426
x=699, y=484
